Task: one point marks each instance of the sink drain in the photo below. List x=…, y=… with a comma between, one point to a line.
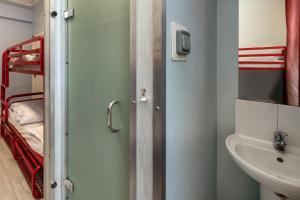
x=279, y=159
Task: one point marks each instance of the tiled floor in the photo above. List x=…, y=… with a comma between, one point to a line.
x=13, y=186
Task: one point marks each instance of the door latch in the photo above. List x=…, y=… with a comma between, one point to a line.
x=69, y=14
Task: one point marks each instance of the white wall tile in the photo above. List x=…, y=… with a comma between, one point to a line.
x=289, y=122
x=256, y=119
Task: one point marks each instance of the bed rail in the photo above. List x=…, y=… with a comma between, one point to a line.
x=15, y=61
x=32, y=170
x=255, y=58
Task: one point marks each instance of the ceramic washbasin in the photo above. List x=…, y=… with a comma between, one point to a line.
x=278, y=171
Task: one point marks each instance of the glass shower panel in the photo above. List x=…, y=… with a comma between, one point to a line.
x=98, y=74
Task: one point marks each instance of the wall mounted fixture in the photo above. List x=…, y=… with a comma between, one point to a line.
x=181, y=42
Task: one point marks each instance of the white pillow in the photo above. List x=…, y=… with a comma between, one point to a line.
x=28, y=112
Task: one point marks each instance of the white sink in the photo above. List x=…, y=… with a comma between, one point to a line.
x=261, y=161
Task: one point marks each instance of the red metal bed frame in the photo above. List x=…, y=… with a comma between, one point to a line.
x=30, y=162
x=281, y=53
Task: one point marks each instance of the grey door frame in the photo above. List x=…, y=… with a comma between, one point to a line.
x=48, y=154
x=56, y=104
x=159, y=91
x=140, y=55
x=133, y=128
x=159, y=85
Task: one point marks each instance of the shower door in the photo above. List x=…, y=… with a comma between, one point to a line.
x=98, y=78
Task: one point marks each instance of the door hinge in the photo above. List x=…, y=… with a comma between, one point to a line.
x=69, y=14
x=69, y=185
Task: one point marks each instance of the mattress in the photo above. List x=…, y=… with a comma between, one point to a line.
x=32, y=133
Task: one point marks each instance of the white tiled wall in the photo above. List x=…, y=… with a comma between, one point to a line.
x=256, y=119
x=289, y=122
x=261, y=120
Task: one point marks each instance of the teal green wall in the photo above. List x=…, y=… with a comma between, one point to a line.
x=191, y=104
x=232, y=183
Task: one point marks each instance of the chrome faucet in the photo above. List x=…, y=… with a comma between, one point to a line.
x=279, y=140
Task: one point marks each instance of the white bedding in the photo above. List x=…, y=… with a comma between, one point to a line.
x=33, y=133
x=28, y=112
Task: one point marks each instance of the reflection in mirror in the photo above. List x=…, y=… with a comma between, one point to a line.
x=269, y=51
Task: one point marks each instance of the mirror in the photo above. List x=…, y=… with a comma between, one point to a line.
x=269, y=51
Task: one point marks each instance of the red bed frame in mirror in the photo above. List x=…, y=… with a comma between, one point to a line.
x=14, y=60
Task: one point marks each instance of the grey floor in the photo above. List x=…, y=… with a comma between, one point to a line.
x=13, y=186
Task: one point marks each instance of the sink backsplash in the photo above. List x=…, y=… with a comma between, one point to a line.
x=260, y=120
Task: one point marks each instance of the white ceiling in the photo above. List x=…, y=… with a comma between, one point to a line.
x=27, y=3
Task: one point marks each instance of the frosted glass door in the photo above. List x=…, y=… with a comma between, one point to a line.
x=98, y=74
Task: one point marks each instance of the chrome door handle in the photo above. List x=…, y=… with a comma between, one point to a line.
x=109, y=116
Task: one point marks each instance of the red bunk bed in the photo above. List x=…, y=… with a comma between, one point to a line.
x=262, y=73
x=23, y=58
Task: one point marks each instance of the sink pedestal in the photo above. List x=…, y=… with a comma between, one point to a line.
x=266, y=194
